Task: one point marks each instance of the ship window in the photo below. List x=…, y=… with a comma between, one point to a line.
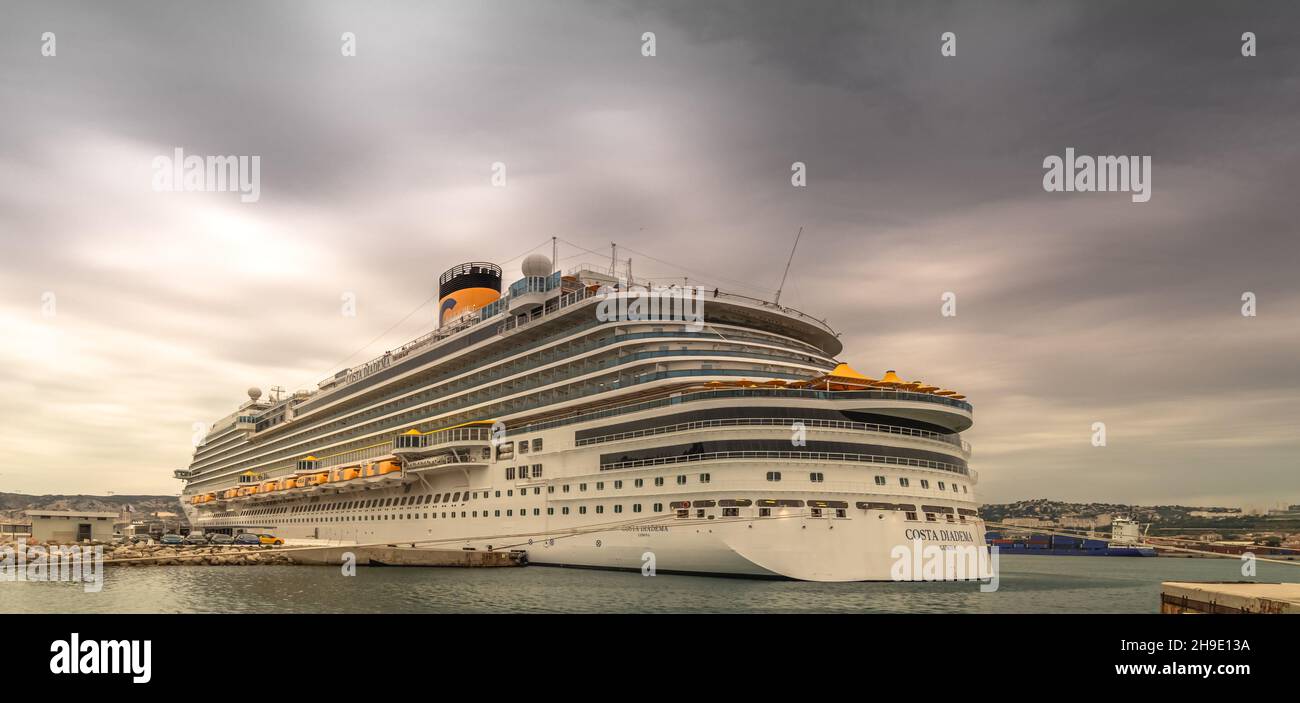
x=931, y=517
x=704, y=478
x=523, y=446
x=639, y=482
x=582, y=510
x=566, y=488
x=816, y=512
x=537, y=490
x=659, y=507
x=765, y=512
x=537, y=470
x=510, y=473
x=774, y=475
x=816, y=477
x=523, y=472
x=681, y=479
x=942, y=487
x=841, y=512
x=880, y=480
x=731, y=512
x=600, y=485
x=582, y=486
x=954, y=488
x=683, y=513
x=550, y=511
x=498, y=494
x=950, y=518
x=963, y=488
x=564, y=510
x=618, y=508
x=510, y=513
x=537, y=511
x=903, y=482
x=510, y=493
x=618, y=484
x=659, y=480
x=636, y=507
x=455, y=497
x=600, y=509
x=925, y=483
x=537, y=444
x=550, y=489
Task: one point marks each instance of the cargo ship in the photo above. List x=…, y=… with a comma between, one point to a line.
x=1125, y=541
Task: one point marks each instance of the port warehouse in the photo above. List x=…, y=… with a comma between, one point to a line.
x=71, y=526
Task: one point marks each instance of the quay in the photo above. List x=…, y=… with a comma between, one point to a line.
x=1182, y=597
x=392, y=555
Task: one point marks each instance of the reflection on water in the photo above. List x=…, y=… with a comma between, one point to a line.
x=1030, y=584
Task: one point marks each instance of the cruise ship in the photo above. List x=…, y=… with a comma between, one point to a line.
x=592, y=421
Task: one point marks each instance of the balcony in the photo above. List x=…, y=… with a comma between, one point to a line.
x=413, y=445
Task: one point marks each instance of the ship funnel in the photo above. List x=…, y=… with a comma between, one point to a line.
x=467, y=287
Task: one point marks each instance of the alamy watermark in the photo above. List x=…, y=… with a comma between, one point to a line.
x=656, y=303
x=217, y=174
x=66, y=563
x=919, y=561
x=1098, y=174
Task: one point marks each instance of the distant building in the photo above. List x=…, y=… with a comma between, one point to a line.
x=67, y=526
x=1217, y=514
x=1086, y=522
x=10, y=528
x=1028, y=522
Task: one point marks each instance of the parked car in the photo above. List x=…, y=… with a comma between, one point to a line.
x=245, y=539
x=140, y=539
x=172, y=539
x=195, y=538
x=270, y=540
x=218, y=538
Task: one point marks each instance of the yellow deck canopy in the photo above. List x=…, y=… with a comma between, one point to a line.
x=848, y=372
x=842, y=377
x=892, y=378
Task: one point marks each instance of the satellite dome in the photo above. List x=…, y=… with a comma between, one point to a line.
x=537, y=265
x=254, y=393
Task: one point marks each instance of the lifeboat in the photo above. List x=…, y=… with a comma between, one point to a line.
x=345, y=474
x=270, y=486
x=230, y=493
x=388, y=467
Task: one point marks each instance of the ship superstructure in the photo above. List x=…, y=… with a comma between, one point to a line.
x=595, y=422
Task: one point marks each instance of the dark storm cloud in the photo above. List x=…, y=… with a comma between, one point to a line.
x=924, y=176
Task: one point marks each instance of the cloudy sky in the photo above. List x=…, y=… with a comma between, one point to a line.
x=128, y=315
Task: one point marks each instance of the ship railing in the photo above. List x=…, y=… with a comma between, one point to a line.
x=586, y=416
x=789, y=455
x=948, y=439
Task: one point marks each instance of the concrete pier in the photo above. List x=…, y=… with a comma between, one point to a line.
x=1179, y=597
x=407, y=556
